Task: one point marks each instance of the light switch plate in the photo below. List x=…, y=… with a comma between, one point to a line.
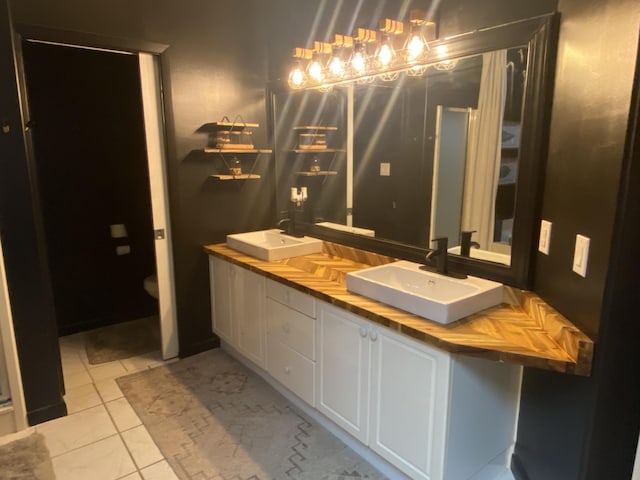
x=385, y=169
x=545, y=237
x=581, y=255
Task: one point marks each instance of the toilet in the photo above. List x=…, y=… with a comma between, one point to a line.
x=151, y=286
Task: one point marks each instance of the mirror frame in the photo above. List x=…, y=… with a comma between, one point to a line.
x=539, y=34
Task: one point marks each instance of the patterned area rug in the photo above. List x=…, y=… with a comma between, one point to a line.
x=214, y=419
x=26, y=459
x=123, y=340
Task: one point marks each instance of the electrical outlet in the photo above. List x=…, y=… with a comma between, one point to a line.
x=581, y=255
x=545, y=237
x=385, y=169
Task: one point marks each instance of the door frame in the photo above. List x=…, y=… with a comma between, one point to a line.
x=150, y=58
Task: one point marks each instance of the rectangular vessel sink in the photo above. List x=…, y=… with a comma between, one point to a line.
x=272, y=244
x=429, y=295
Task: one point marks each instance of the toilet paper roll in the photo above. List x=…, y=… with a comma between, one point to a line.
x=118, y=230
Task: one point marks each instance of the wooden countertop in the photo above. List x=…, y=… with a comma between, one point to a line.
x=522, y=330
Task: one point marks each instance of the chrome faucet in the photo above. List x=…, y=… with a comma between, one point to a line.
x=438, y=259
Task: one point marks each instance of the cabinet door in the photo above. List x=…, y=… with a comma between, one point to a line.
x=343, y=369
x=409, y=392
x=221, y=309
x=248, y=314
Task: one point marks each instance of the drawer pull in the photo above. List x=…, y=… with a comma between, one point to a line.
x=363, y=332
x=287, y=370
x=373, y=335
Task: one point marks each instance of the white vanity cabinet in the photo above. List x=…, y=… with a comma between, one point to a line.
x=431, y=414
x=291, y=339
x=237, y=304
x=343, y=369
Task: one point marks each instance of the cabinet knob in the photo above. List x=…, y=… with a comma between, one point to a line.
x=373, y=335
x=286, y=328
x=363, y=332
x=287, y=370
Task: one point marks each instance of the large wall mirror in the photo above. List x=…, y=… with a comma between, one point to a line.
x=390, y=165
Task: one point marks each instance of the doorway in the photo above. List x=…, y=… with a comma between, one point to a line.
x=98, y=150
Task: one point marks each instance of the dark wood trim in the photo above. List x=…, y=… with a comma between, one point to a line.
x=195, y=348
x=47, y=413
x=83, y=39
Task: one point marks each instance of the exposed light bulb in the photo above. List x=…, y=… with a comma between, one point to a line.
x=297, y=77
x=386, y=52
x=415, y=48
x=315, y=71
x=336, y=64
x=358, y=60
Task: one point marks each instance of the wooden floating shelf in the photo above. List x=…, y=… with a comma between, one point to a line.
x=316, y=174
x=244, y=176
x=317, y=150
x=241, y=150
x=316, y=128
x=217, y=126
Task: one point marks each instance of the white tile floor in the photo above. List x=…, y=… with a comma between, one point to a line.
x=101, y=438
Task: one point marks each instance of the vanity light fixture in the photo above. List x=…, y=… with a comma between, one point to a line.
x=315, y=68
x=444, y=65
x=336, y=68
x=298, y=76
x=368, y=55
x=417, y=47
x=386, y=56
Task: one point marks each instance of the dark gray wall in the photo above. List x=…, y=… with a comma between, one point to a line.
x=570, y=427
x=210, y=69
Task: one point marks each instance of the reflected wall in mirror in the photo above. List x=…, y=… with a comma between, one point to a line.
x=310, y=147
x=455, y=150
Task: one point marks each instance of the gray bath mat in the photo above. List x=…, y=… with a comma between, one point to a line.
x=213, y=418
x=123, y=340
x=26, y=459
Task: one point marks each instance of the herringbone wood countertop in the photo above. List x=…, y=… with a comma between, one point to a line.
x=523, y=329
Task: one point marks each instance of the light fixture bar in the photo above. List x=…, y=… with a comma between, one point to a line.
x=368, y=54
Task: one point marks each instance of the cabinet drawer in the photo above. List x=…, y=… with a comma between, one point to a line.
x=294, y=371
x=291, y=328
x=292, y=298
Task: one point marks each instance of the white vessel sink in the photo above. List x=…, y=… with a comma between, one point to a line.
x=272, y=244
x=429, y=295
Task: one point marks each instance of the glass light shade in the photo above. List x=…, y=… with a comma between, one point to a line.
x=297, y=77
x=315, y=71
